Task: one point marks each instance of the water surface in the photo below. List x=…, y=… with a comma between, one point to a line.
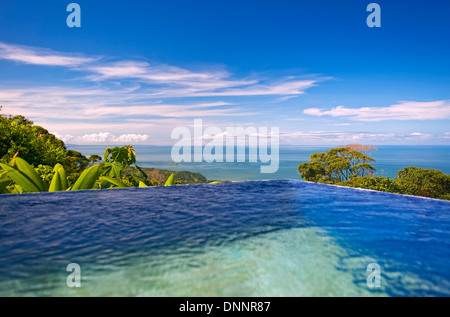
x=273, y=238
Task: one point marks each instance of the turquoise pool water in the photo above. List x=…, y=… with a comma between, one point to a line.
x=272, y=238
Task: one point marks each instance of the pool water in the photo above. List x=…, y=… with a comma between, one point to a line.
x=263, y=238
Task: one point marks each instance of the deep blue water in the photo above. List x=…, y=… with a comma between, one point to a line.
x=273, y=238
x=389, y=160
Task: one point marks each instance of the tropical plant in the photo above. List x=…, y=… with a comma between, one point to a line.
x=21, y=177
x=34, y=144
x=170, y=181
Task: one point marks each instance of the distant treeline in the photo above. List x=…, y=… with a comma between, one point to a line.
x=350, y=166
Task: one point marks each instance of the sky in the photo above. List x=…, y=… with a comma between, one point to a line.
x=134, y=71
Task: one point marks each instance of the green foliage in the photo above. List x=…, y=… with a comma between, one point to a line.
x=75, y=163
x=336, y=165
x=410, y=181
x=39, y=151
x=45, y=172
x=21, y=177
x=88, y=178
x=423, y=182
x=24, y=177
x=59, y=180
x=350, y=167
x=35, y=144
x=118, y=158
x=384, y=184
x=116, y=183
x=156, y=177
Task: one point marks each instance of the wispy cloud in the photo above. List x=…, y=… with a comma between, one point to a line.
x=405, y=110
x=343, y=137
x=161, y=81
x=38, y=56
x=102, y=103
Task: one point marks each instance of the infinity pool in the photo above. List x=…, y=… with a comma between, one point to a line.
x=265, y=238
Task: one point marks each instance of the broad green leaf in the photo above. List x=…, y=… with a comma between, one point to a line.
x=87, y=179
x=55, y=185
x=59, y=180
x=20, y=179
x=113, y=181
x=63, y=176
x=3, y=175
x=29, y=172
x=170, y=181
x=217, y=182
x=116, y=168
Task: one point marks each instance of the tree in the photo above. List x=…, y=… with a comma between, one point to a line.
x=380, y=183
x=349, y=166
x=34, y=144
x=19, y=136
x=337, y=165
x=423, y=182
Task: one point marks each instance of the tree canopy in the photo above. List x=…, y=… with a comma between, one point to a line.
x=349, y=166
x=336, y=165
x=34, y=143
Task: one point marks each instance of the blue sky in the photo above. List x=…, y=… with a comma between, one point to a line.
x=136, y=70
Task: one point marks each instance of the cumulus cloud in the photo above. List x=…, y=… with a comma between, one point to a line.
x=405, y=110
x=103, y=137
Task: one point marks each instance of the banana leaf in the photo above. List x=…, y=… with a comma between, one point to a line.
x=59, y=180
x=87, y=179
x=170, y=181
x=113, y=181
x=20, y=179
x=30, y=173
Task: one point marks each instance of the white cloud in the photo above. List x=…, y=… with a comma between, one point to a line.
x=343, y=138
x=102, y=103
x=405, y=110
x=38, y=56
x=102, y=138
x=160, y=80
x=179, y=82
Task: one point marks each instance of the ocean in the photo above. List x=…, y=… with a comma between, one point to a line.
x=389, y=160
